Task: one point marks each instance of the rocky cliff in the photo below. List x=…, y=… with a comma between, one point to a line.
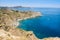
x=9, y=22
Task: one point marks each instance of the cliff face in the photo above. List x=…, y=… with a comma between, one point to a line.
x=9, y=22
x=16, y=34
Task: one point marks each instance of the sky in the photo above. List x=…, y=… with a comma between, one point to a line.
x=31, y=3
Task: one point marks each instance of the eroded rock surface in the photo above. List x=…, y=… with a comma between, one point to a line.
x=9, y=22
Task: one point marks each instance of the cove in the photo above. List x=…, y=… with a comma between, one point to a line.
x=44, y=26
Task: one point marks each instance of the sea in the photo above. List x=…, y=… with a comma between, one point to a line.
x=47, y=25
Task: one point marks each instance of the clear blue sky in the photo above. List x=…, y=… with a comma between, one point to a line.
x=31, y=3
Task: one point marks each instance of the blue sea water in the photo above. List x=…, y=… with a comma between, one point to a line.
x=44, y=26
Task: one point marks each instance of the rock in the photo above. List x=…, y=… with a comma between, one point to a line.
x=9, y=22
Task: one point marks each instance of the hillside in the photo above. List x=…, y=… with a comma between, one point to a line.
x=9, y=22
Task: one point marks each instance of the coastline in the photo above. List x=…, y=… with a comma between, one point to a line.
x=33, y=16
x=11, y=21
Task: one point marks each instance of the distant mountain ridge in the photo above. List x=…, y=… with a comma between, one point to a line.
x=13, y=7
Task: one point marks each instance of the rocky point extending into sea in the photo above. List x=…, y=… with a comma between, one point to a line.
x=9, y=20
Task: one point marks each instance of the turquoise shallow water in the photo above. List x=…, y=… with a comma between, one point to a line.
x=47, y=25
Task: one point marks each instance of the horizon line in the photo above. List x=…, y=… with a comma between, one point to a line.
x=29, y=6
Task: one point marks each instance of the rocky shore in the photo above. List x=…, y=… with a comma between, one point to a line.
x=9, y=20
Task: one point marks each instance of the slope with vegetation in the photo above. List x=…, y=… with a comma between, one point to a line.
x=9, y=22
